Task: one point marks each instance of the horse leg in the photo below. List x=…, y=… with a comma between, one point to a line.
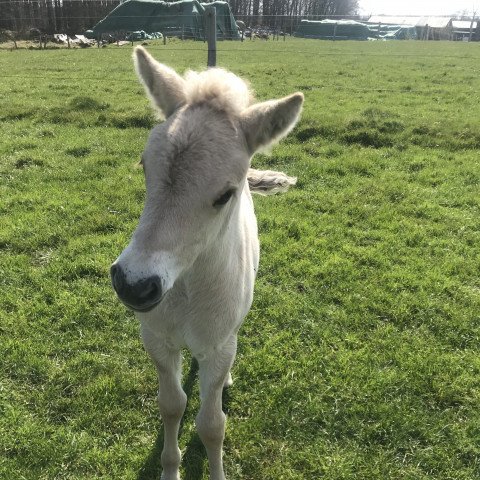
x=228, y=381
x=171, y=402
x=213, y=374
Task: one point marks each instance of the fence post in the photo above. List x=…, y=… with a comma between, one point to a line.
x=211, y=28
x=471, y=27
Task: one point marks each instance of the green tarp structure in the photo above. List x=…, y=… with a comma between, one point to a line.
x=332, y=29
x=184, y=18
x=393, y=32
x=352, y=30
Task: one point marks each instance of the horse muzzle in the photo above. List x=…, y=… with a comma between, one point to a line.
x=142, y=296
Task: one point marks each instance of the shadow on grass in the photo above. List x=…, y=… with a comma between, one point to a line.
x=195, y=455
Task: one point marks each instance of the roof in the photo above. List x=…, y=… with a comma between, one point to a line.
x=463, y=24
x=329, y=21
x=392, y=20
x=433, y=22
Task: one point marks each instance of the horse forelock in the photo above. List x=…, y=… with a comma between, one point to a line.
x=196, y=146
x=218, y=88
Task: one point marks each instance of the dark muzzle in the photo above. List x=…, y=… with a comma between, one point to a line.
x=141, y=296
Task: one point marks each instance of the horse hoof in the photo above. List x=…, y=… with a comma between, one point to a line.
x=228, y=381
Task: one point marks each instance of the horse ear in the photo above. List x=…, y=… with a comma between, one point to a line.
x=266, y=123
x=165, y=88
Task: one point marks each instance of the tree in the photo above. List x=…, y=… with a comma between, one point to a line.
x=8, y=36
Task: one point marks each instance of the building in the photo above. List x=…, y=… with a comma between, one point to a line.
x=465, y=30
x=428, y=28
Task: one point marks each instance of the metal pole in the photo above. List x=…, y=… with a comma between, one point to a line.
x=211, y=28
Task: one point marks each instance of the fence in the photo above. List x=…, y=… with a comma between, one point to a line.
x=48, y=17
x=74, y=16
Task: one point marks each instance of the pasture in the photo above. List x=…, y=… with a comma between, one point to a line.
x=359, y=358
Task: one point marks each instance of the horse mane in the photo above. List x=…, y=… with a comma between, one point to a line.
x=220, y=89
x=268, y=182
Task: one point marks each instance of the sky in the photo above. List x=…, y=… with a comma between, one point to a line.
x=418, y=7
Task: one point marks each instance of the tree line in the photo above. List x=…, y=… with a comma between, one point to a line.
x=53, y=16
x=76, y=16
x=285, y=13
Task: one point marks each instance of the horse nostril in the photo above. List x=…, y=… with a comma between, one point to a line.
x=116, y=276
x=113, y=271
x=151, y=289
x=119, y=281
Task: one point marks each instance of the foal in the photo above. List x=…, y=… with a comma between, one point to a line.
x=189, y=270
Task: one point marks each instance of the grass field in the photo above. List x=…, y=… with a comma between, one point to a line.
x=360, y=357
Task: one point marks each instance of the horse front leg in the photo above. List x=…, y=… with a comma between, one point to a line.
x=214, y=374
x=171, y=402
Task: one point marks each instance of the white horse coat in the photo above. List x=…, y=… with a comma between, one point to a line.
x=189, y=270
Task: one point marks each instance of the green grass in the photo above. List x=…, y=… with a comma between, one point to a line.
x=359, y=359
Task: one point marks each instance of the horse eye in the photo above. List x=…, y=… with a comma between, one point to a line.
x=224, y=198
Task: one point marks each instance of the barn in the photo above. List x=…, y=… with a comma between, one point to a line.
x=428, y=28
x=464, y=30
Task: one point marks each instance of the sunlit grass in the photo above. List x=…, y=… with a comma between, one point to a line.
x=359, y=359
